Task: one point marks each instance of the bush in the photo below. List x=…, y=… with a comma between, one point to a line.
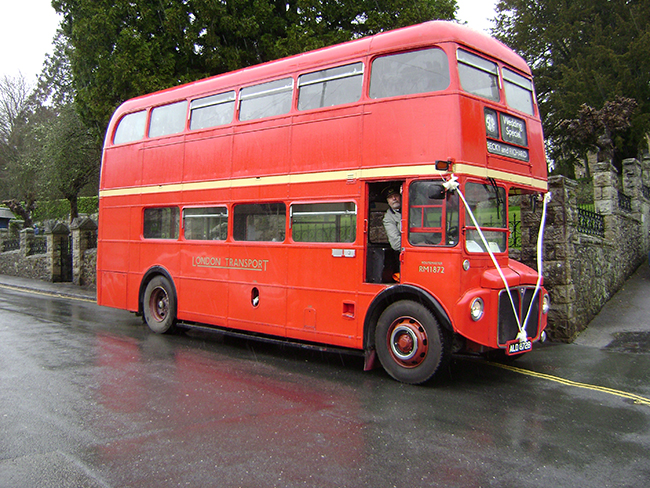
x=60, y=209
x=88, y=205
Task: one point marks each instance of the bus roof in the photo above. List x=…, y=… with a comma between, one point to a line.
x=412, y=37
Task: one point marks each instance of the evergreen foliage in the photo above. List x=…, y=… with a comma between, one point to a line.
x=583, y=52
x=120, y=49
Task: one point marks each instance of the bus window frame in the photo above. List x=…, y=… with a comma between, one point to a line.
x=371, y=68
x=235, y=225
x=178, y=223
x=147, y=112
x=324, y=202
x=205, y=206
x=348, y=75
x=167, y=105
x=477, y=66
x=468, y=224
x=515, y=81
x=224, y=101
x=243, y=97
x=449, y=227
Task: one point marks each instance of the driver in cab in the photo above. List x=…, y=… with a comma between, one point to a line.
x=393, y=218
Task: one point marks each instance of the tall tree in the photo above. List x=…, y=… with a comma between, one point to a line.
x=583, y=52
x=69, y=153
x=124, y=48
x=18, y=186
x=70, y=157
x=55, y=83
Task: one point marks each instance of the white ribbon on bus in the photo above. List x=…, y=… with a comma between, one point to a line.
x=452, y=185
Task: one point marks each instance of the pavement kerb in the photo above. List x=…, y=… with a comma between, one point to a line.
x=64, y=290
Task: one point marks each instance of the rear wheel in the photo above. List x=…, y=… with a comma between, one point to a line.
x=159, y=305
x=410, y=343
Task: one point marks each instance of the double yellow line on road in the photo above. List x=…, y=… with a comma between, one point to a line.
x=639, y=400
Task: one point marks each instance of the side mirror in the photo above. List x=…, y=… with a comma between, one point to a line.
x=435, y=191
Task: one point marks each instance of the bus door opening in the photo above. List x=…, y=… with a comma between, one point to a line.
x=382, y=261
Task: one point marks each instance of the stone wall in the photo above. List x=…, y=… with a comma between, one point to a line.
x=25, y=261
x=88, y=270
x=582, y=271
x=59, y=261
x=84, y=242
x=12, y=263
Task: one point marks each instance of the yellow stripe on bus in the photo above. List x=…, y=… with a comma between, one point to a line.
x=483, y=172
x=344, y=175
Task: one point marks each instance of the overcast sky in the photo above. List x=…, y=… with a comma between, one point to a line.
x=27, y=28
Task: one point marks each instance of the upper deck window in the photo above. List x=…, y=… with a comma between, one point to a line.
x=212, y=111
x=478, y=75
x=329, y=87
x=168, y=119
x=266, y=100
x=519, y=91
x=421, y=71
x=131, y=128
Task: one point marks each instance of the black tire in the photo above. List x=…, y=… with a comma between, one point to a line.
x=159, y=305
x=410, y=343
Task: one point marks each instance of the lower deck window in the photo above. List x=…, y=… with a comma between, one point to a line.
x=206, y=224
x=161, y=223
x=323, y=222
x=259, y=222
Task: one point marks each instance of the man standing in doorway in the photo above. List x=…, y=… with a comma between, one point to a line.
x=393, y=218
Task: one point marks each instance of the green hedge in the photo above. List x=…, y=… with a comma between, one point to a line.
x=60, y=209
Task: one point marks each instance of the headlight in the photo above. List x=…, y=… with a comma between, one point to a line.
x=546, y=303
x=476, y=309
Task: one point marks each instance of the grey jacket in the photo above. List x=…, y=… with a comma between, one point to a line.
x=392, y=221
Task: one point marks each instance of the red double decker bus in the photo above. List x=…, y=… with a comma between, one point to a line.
x=254, y=201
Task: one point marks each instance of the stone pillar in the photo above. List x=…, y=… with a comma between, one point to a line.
x=559, y=256
x=645, y=170
x=4, y=235
x=83, y=237
x=632, y=184
x=26, y=242
x=606, y=186
x=645, y=202
x=57, y=250
x=559, y=250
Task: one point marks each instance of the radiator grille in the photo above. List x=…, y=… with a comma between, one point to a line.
x=521, y=297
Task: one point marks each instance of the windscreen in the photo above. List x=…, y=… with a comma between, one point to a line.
x=487, y=203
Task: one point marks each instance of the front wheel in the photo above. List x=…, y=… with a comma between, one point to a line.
x=410, y=343
x=159, y=305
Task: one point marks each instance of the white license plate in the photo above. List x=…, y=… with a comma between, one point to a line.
x=518, y=347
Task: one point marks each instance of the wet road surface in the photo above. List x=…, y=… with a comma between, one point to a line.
x=90, y=398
